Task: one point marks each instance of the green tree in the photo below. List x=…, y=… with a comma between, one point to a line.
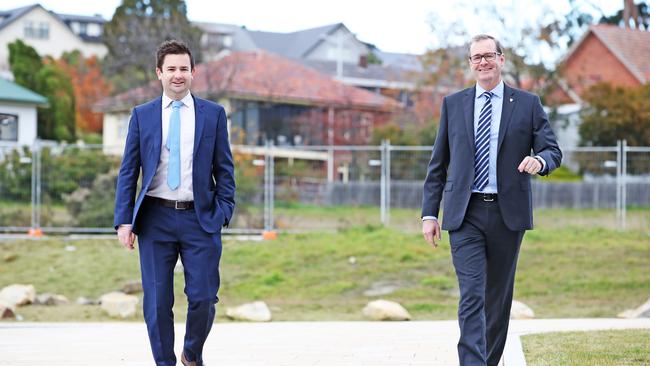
x=134, y=33
x=57, y=120
x=616, y=113
x=25, y=63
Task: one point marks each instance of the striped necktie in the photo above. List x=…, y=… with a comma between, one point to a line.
x=174, y=146
x=482, y=141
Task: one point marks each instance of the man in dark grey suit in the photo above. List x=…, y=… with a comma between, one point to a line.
x=482, y=161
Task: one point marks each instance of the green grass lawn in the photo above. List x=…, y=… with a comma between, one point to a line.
x=603, y=348
x=566, y=270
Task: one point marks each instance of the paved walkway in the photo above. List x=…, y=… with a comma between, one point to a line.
x=270, y=344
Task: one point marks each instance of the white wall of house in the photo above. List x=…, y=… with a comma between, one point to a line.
x=351, y=48
x=27, y=119
x=567, y=126
x=60, y=38
x=115, y=129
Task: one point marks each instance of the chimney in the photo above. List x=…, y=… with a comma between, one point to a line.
x=363, y=61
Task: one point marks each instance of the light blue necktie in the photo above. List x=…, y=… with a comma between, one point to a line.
x=482, y=140
x=174, y=146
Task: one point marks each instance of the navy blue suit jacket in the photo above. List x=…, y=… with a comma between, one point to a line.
x=213, y=179
x=523, y=127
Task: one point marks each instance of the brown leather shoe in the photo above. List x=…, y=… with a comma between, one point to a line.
x=185, y=362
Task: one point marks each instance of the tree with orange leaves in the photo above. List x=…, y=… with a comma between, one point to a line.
x=89, y=87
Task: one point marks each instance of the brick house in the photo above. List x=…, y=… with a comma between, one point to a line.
x=605, y=53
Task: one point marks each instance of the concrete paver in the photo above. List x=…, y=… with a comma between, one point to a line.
x=266, y=344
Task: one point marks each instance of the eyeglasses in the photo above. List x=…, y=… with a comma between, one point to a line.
x=489, y=57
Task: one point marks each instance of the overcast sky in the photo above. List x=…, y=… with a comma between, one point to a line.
x=393, y=26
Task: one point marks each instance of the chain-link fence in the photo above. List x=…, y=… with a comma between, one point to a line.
x=71, y=188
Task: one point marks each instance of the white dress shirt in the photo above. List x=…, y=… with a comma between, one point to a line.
x=159, y=187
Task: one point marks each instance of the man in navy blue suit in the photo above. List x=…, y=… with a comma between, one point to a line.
x=482, y=162
x=180, y=142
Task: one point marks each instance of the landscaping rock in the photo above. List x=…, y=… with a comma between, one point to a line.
x=18, y=295
x=385, y=310
x=51, y=299
x=132, y=287
x=642, y=311
x=256, y=311
x=118, y=304
x=520, y=310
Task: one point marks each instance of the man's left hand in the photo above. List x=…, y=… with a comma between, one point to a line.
x=530, y=165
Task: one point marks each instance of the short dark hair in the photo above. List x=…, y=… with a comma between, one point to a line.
x=482, y=37
x=172, y=47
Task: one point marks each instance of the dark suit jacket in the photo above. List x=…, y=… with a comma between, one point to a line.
x=524, y=127
x=213, y=180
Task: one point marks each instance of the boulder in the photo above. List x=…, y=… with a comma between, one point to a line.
x=385, y=310
x=256, y=311
x=118, y=304
x=519, y=310
x=17, y=295
x=642, y=311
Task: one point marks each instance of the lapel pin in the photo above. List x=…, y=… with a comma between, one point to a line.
x=511, y=100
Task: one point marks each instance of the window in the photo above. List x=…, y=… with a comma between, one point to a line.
x=40, y=30
x=216, y=41
x=94, y=30
x=8, y=127
x=83, y=29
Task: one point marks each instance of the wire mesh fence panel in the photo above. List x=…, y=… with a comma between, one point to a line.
x=408, y=169
x=587, y=179
x=15, y=187
x=77, y=185
x=249, y=196
x=326, y=188
x=637, y=177
x=299, y=188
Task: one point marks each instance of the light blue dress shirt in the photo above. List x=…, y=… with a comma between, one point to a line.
x=497, y=106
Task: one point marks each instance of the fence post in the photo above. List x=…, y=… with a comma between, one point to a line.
x=388, y=162
x=35, y=229
x=269, y=189
x=384, y=182
x=624, y=185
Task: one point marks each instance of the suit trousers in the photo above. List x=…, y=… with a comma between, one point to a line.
x=484, y=253
x=165, y=234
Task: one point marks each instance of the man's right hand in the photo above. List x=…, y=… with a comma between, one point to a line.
x=126, y=236
x=431, y=232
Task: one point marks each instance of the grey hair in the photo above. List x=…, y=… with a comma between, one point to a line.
x=483, y=37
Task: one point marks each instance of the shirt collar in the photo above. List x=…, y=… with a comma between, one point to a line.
x=496, y=92
x=187, y=101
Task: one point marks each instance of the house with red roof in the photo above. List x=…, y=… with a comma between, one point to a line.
x=605, y=53
x=268, y=97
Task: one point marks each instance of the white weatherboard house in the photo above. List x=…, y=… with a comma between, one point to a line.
x=18, y=113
